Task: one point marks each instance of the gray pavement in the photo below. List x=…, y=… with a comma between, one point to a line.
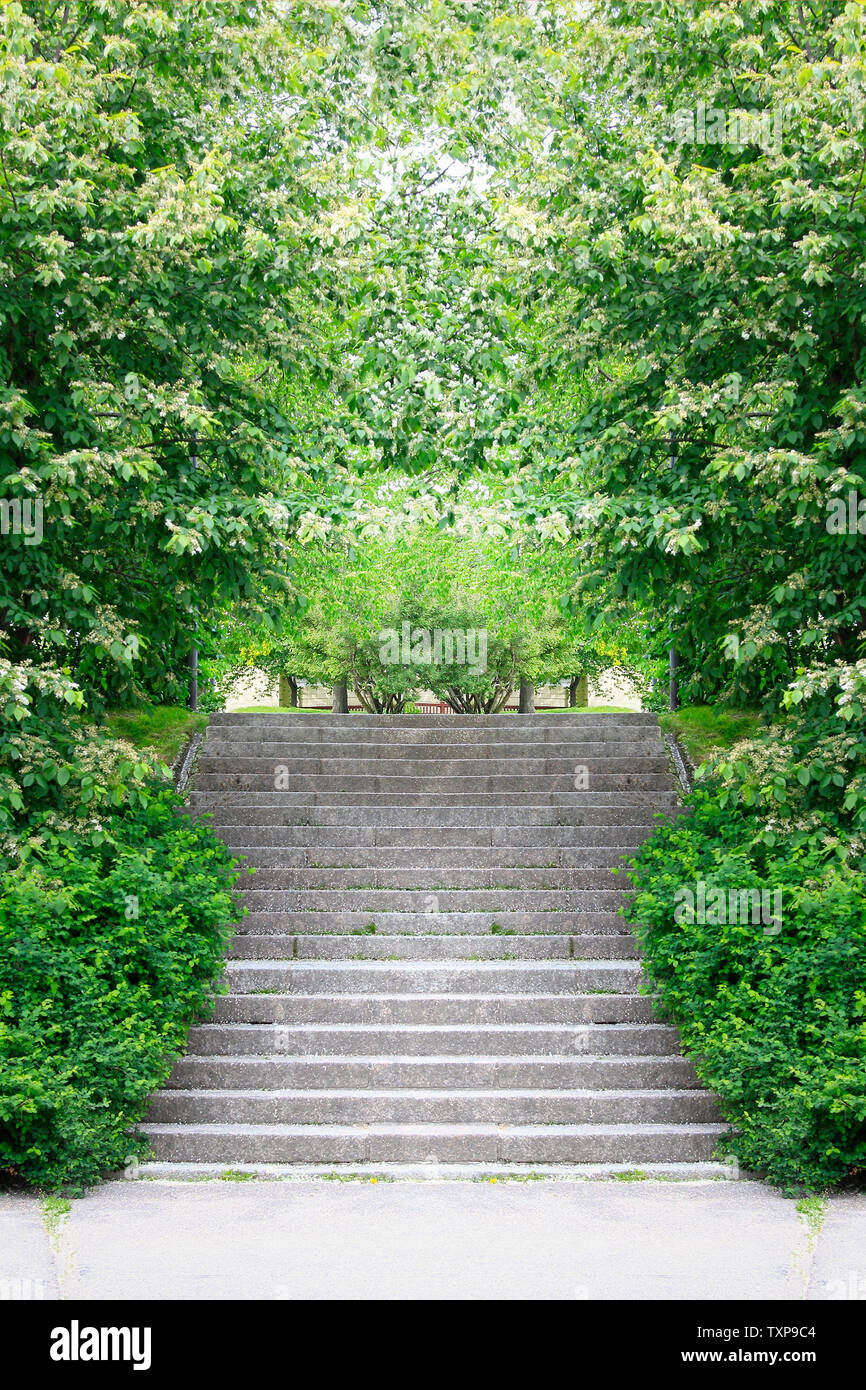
x=432, y=1240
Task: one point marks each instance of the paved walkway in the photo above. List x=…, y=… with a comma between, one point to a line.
x=432, y=1240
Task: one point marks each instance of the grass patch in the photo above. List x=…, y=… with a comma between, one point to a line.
x=590, y=709
x=277, y=709
x=705, y=731
x=162, y=729
x=812, y=1210
x=55, y=1210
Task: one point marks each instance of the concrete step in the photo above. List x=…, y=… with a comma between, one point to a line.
x=429, y=901
x=451, y=924
x=599, y=946
x=451, y=977
x=414, y=1040
x=489, y=724
x=428, y=857
x=553, y=1007
x=503, y=825
x=217, y=745
x=519, y=800
x=369, y=784
x=409, y=838
x=438, y=877
x=703, y=1172
x=383, y=768
x=437, y=1143
x=346, y=947
x=527, y=1072
x=457, y=735
x=354, y=1107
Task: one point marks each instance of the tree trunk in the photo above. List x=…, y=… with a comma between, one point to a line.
x=527, y=698
x=340, y=703
x=289, y=692
x=578, y=691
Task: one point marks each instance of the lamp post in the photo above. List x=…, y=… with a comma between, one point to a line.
x=673, y=655
x=193, y=656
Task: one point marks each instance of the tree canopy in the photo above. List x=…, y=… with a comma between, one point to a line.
x=609, y=254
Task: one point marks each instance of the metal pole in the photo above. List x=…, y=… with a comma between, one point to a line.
x=193, y=679
x=193, y=656
x=673, y=656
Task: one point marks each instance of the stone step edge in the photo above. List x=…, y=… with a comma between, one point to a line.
x=432, y=997
x=417, y=1028
x=428, y=1093
x=428, y=996
x=374, y=967
x=436, y=1131
x=697, y=1173
x=382, y=1060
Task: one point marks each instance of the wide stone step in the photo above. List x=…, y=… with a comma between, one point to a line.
x=384, y=769
x=461, y=1143
x=554, y=1007
x=428, y=857
x=448, y=977
x=435, y=878
x=368, y=784
x=428, y=902
x=309, y=806
x=493, y=946
x=508, y=824
x=455, y=735
x=527, y=1072
x=463, y=838
x=703, y=1171
x=413, y=1040
x=365, y=924
x=216, y=745
x=286, y=1107
x=370, y=946
x=488, y=723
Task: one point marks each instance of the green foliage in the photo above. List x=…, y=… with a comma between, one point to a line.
x=723, y=281
x=776, y=1023
x=807, y=776
x=60, y=775
x=107, y=955
x=148, y=236
x=452, y=559
x=113, y=917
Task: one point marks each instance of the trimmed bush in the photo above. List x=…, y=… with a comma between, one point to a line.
x=107, y=953
x=775, y=1020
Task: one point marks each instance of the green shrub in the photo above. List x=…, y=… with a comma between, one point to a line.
x=776, y=1023
x=107, y=953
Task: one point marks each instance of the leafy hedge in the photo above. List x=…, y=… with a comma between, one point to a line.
x=775, y=1023
x=108, y=951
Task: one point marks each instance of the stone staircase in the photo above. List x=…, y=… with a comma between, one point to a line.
x=433, y=975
